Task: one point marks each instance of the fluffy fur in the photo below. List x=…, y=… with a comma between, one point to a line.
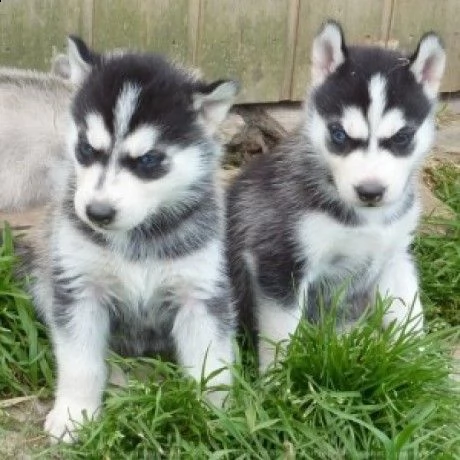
x=335, y=205
x=132, y=254
x=33, y=116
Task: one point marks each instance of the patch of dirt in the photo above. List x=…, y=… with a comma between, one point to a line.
x=21, y=421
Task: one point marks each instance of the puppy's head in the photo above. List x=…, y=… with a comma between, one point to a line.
x=370, y=114
x=141, y=135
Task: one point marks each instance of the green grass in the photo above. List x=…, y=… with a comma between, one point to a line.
x=367, y=394
x=438, y=255
x=25, y=355
x=370, y=392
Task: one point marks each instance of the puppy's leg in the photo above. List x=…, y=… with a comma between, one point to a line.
x=276, y=322
x=399, y=281
x=204, y=341
x=79, y=335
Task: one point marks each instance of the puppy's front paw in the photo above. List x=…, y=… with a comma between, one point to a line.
x=65, y=418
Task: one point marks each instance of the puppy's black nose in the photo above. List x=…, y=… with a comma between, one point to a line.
x=370, y=192
x=100, y=213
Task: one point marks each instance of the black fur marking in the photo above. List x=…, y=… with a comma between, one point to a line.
x=321, y=299
x=142, y=335
x=347, y=147
x=151, y=172
x=401, y=144
x=64, y=296
x=165, y=99
x=90, y=57
x=348, y=85
x=279, y=273
x=86, y=155
x=221, y=308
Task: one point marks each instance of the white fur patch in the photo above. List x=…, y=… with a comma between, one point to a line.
x=201, y=350
x=399, y=281
x=125, y=108
x=391, y=122
x=275, y=323
x=354, y=123
x=140, y=141
x=324, y=240
x=82, y=375
x=377, y=93
x=97, y=133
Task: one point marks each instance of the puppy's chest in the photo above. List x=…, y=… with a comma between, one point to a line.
x=337, y=252
x=141, y=290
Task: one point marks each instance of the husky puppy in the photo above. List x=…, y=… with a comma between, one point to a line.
x=336, y=203
x=33, y=117
x=132, y=253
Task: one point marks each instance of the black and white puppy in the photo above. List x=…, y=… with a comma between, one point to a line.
x=336, y=203
x=133, y=249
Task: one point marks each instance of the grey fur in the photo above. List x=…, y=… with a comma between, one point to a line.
x=33, y=116
x=273, y=205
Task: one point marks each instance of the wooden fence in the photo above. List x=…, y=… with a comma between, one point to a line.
x=263, y=43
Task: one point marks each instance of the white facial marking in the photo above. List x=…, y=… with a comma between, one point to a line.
x=390, y=124
x=135, y=199
x=372, y=163
x=140, y=141
x=354, y=123
x=377, y=93
x=125, y=108
x=88, y=179
x=97, y=133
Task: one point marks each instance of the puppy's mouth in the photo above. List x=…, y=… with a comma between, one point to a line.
x=379, y=204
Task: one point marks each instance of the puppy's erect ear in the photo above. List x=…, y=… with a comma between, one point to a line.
x=328, y=52
x=428, y=63
x=81, y=59
x=214, y=101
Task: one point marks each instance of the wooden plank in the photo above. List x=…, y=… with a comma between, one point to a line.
x=291, y=46
x=194, y=21
x=32, y=30
x=412, y=18
x=246, y=40
x=154, y=25
x=364, y=22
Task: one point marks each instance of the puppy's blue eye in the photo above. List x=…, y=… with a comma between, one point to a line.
x=85, y=153
x=402, y=138
x=338, y=134
x=150, y=160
